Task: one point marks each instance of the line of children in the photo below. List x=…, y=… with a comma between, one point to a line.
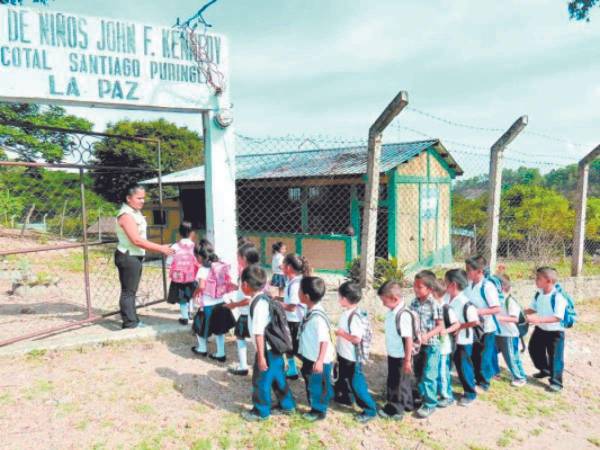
x=423, y=339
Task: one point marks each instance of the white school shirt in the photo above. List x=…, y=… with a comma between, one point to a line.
x=314, y=331
x=394, y=343
x=207, y=299
x=473, y=292
x=260, y=319
x=446, y=340
x=276, y=263
x=243, y=310
x=345, y=348
x=510, y=329
x=543, y=307
x=291, y=297
x=458, y=305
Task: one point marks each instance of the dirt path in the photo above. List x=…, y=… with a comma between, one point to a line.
x=155, y=395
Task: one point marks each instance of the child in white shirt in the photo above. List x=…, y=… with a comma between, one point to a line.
x=547, y=343
x=278, y=278
x=351, y=384
x=315, y=348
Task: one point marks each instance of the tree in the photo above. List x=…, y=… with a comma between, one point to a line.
x=592, y=223
x=581, y=9
x=31, y=144
x=181, y=149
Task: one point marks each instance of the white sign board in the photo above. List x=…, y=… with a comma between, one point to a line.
x=48, y=56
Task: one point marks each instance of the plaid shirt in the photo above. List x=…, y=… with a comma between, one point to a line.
x=428, y=311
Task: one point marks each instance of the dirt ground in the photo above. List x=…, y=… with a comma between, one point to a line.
x=156, y=394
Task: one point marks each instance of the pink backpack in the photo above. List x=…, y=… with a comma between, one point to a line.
x=184, y=265
x=218, y=282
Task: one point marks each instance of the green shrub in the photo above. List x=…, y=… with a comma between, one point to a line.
x=385, y=270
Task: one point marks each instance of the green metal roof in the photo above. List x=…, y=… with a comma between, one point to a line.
x=317, y=163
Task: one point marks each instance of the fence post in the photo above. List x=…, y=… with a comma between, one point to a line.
x=369, y=231
x=581, y=206
x=86, y=261
x=495, y=187
x=27, y=219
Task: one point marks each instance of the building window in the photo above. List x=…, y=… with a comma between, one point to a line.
x=295, y=194
x=158, y=218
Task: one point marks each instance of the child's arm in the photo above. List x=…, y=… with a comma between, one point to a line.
x=233, y=305
x=439, y=326
x=318, y=365
x=260, y=351
x=535, y=319
x=408, y=346
x=508, y=319
x=344, y=335
x=452, y=328
x=489, y=311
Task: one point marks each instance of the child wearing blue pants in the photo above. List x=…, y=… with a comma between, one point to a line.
x=484, y=295
x=509, y=332
x=315, y=348
x=451, y=324
x=426, y=362
x=456, y=282
x=351, y=384
x=268, y=371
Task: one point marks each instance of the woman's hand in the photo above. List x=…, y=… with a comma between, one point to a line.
x=167, y=250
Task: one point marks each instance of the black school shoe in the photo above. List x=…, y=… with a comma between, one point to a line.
x=217, y=358
x=540, y=375
x=237, y=371
x=343, y=401
x=313, y=416
x=389, y=412
x=183, y=321
x=195, y=351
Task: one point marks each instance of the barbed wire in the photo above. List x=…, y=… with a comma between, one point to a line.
x=491, y=129
x=486, y=150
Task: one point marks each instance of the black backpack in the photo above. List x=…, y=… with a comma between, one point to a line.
x=277, y=332
x=477, y=330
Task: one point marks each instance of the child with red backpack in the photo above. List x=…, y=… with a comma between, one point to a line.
x=212, y=317
x=183, y=267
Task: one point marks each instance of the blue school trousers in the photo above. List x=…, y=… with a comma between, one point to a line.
x=464, y=367
x=318, y=386
x=512, y=359
x=273, y=377
x=426, y=366
x=483, y=354
x=445, y=377
x=351, y=386
x=546, y=349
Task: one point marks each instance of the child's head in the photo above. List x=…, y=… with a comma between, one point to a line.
x=186, y=231
x=349, y=294
x=253, y=280
x=456, y=281
x=243, y=240
x=312, y=290
x=248, y=255
x=205, y=254
x=546, y=278
x=279, y=247
x=505, y=281
x=294, y=265
x=439, y=290
x=475, y=267
x=390, y=294
x=424, y=283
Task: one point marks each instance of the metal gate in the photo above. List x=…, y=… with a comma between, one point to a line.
x=57, y=237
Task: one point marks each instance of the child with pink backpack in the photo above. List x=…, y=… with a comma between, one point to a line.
x=214, y=282
x=183, y=267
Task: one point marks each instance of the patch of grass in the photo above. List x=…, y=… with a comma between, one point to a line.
x=225, y=442
x=39, y=389
x=536, y=431
x=477, y=447
x=67, y=408
x=202, y=444
x=6, y=398
x=527, y=401
x=156, y=442
x=36, y=355
x=506, y=438
x=82, y=425
x=594, y=441
x=144, y=409
x=292, y=440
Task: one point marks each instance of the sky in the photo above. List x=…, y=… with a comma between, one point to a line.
x=329, y=67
